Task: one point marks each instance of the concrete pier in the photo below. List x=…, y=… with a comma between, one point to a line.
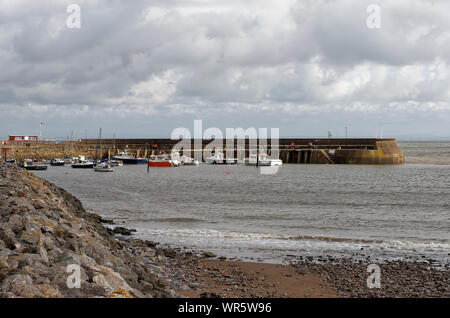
x=298, y=151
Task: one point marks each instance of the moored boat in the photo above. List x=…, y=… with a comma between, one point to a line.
x=30, y=165
x=57, y=162
x=218, y=158
x=83, y=164
x=164, y=161
x=36, y=167
x=115, y=163
x=262, y=160
x=187, y=161
x=129, y=159
x=103, y=167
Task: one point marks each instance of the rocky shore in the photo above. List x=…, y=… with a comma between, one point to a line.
x=44, y=232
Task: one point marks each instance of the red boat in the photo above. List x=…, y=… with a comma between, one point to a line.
x=164, y=161
x=160, y=164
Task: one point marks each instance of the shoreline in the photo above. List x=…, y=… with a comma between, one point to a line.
x=44, y=229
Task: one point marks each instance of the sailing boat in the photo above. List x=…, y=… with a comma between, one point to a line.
x=98, y=165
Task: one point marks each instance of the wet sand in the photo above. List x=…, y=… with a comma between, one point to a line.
x=244, y=279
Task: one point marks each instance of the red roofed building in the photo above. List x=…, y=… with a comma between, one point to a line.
x=23, y=138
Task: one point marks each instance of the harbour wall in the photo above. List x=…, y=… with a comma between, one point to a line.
x=291, y=150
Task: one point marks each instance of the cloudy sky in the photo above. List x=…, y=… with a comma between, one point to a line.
x=142, y=68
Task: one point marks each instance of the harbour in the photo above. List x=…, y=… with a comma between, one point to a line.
x=295, y=150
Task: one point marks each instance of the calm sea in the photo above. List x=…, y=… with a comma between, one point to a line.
x=385, y=212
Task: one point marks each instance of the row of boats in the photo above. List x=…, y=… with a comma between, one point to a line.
x=165, y=160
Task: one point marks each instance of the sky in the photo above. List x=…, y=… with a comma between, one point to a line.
x=143, y=68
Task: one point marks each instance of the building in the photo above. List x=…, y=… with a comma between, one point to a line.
x=23, y=138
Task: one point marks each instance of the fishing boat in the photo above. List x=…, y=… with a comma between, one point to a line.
x=163, y=161
x=129, y=159
x=70, y=161
x=262, y=160
x=30, y=165
x=218, y=158
x=187, y=161
x=83, y=164
x=103, y=167
x=115, y=163
x=36, y=167
x=57, y=162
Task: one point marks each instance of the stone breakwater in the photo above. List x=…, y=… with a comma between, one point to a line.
x=44, y=229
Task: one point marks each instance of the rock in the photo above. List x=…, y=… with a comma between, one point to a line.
x=147, y=287
x=123, y=231
x=15, y=223
x=3, y=262
x=105, y=221
x=209, y=254
x=102, y=282
x=209, y=295
x=20, y=285
x=8, y=237
x=150, y=243
x=43, y=252
x=170, y=252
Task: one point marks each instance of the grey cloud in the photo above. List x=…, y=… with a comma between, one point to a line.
x=281, y=60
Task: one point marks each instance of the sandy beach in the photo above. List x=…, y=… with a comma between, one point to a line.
x=245, y=279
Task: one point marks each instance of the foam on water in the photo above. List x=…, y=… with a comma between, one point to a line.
x=275, y=246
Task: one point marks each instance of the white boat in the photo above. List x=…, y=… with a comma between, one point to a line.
x=262, y=161
x=115, y=163
x=57, y=162
x=83, y=164
x=103, y=167
x=187, y=161
x=218, y=158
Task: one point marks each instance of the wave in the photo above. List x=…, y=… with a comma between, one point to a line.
x=213, y=234
x=175, y=220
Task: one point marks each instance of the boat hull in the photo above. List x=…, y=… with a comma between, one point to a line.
x=166, y=164
x=104, y=170
x=133, y=161
x=265, y=163
x=221, y=161
x=56, y=164
x=83, y=166
x=36, y=167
